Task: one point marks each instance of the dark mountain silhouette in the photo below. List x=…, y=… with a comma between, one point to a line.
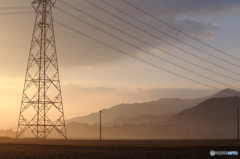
x=226, y=93
x=164, y=106
x=211, y=117
x=140, y=119
x=215, y=117
x=161, y=107
x=212, y=110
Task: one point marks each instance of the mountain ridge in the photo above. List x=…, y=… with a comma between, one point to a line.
x=163, y=106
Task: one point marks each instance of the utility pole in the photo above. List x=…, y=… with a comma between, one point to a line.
x=42, y=95
x=238, y=124
x=100, y=125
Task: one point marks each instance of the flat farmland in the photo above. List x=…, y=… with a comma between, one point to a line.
x=30, y=148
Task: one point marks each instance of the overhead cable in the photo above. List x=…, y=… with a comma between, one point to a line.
x=184, y=33
x=136, y=58
x=123, y=32
x=147, y=32
x=137, y=47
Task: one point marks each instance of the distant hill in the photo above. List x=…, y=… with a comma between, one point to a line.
x=215, y=115
x=159, y=107
x=214, y=118
x=164, y=106
x=226, y=93
x=138, y=120
x=213, y=110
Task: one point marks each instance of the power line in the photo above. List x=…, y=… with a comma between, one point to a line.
x=167, y=70
x=190, y=124
x=136, y=58
x=171, y=114
x=123, y=32
x=11, y=13
x=136, y=47
x=129, y=113
x=208, y=61
x=177, y=115
x=207, y=112
x=169, y=36
x=136, y=113
x=193, y=24
x=187, y=35
x=14, y=8
x=49, y=115
x=80, y=113
x=197, y=19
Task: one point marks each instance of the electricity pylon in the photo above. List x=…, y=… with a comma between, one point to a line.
x=42, y=98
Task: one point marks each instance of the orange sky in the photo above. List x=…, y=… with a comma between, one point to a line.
x=94, y=77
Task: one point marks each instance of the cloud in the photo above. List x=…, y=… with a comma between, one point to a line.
x=199, y=30
x=214, y=25
x=74, y=88
x=206, y=7
x=148, y=94
x=89, y=53
x=75, y=50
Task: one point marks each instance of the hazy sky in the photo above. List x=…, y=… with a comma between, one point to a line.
x=94, y=76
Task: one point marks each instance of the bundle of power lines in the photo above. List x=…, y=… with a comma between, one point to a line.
x=9, y=11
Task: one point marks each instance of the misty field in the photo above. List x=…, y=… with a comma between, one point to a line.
x=10, y=148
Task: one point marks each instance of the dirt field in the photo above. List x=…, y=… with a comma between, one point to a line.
x=192, y=149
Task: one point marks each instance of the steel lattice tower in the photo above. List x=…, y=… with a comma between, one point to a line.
x=42, y=92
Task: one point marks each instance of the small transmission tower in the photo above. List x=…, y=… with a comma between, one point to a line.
x=41, y=109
